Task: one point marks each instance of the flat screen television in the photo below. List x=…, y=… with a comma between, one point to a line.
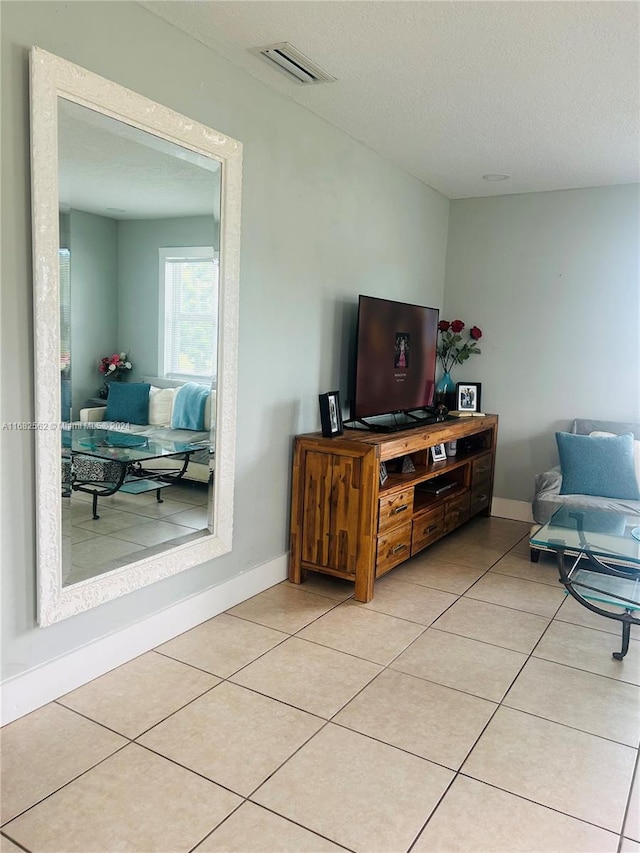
x=395, y=360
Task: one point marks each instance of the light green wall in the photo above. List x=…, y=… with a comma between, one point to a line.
x=94, y=301
x=553, y=281
x=323, y=219
x=138, y=280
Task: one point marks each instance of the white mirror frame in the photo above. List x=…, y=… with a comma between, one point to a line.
x=53, y=77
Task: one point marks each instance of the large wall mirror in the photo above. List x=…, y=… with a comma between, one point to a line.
x=136, y=232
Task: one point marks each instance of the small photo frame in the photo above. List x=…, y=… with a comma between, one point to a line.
x=468, y=396
x=438, y=453
x=330, y=414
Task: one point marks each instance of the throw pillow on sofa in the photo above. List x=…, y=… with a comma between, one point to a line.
x=597, y=465
x=128, y=402
x=636, y=451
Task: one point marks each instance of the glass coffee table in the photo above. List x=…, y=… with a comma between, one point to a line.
x=598, y=555
x=104, y=462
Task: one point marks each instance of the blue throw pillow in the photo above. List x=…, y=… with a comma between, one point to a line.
x=592, y=465
x=128, y=402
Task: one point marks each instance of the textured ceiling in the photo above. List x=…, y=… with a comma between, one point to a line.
x=546, y=92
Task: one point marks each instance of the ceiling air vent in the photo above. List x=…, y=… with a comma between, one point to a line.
x=293, y=63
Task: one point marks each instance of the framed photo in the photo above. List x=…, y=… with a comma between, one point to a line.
x=438, y=453
x=330, y=415
x=468, y=396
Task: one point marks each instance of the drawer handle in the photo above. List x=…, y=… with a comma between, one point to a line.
x=402, y=508
x=481, y=497
x=397, y=549
x=430, y=529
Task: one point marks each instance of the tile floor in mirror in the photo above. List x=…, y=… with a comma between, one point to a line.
x=128, y=524
x=469, y=707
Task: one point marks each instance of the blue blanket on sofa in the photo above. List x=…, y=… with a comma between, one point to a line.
x=189, y=405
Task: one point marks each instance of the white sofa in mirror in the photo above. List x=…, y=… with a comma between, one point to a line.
x=127, y=196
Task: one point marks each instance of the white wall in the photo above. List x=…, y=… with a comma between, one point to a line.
x=139, y=281
x=324, y=219
x=553, y=281
x=94, y=301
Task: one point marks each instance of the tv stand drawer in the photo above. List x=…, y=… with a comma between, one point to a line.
x=427, y=528
x=395, y=509
x=393, y=548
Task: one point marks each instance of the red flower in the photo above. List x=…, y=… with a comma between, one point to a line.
x=443, y=325
x=475, y=333
x=457, y=326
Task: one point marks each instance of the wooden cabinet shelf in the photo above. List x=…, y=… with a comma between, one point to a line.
x=344, y=523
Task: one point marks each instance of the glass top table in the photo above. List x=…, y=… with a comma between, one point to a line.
x=605, y=549
x=119, y=456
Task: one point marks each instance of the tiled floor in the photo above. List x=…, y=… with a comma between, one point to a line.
x=469, y=707
x=128, y=526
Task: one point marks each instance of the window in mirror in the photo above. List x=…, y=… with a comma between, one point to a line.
x=189, y=284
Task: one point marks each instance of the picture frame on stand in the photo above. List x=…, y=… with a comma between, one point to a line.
x=468, y=396
x=330, y=414
x=438, y=452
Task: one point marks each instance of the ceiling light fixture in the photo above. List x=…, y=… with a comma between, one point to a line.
x=495, y=177
x=293, y=63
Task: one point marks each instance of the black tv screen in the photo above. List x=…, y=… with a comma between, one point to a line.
x=395, y=357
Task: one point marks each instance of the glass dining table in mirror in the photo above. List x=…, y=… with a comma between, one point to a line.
x=139, y=226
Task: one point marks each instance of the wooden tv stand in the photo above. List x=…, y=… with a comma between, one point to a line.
x=345, y=524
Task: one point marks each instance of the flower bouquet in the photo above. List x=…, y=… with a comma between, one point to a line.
x=113, y=367
x=451, y=348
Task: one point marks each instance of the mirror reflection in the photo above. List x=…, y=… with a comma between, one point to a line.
x=139, y=258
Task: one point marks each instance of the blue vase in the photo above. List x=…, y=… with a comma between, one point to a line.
x=445, y=391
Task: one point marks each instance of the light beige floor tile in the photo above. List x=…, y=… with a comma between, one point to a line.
x=476, y=817
x=356, y=791
x=493, y=532
x=451, y=549
x=592, y=703
x=468, y=665
x=252, y=829
x=491, y=623
x=233, y=736
x=426, y=719
x=137, y=695
x=426, y=570
x=575, y=613
x=46, y=749
x=152, y=532
x=283, y=608
x=518, y=594
x=632, y=823
x=588, y=649
x=222, y=645
x=101, y=550
x=577, y=773
x=135, y=801
x=629, y=846
x=78, y=534
x=519, y=565
x=335, y=588
x=108, y=519
x=408, y=601
x=311, y=677
x=363, y=633
x=7, y=846
x=196, y=517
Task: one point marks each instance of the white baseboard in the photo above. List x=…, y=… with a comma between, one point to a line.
x=516, y=510
x=35, y=687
